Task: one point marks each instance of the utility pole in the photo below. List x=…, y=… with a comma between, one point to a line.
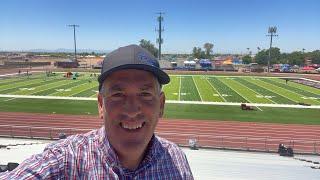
x=271, y=32
x=161, y=29
x=74, y=39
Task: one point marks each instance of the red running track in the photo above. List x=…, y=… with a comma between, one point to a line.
x=217, y=134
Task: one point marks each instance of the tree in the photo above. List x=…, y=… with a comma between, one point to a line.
x=198, y=53
x=296, y=57
x=208, y=49
x=149, y=46
x=247, y=59
x=315, y=56
x=262, y=56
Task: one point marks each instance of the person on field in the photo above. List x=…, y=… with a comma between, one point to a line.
x=130, y=101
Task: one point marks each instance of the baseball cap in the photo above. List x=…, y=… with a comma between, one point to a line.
x=132, y=57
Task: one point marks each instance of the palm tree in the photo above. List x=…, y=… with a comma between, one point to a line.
x=208, y=48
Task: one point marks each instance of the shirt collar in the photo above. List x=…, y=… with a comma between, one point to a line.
x=153, y=152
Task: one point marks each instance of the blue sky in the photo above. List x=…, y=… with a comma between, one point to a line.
x=231, y=25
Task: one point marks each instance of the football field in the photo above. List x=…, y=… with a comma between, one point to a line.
x=188, y=97
x=196, y=88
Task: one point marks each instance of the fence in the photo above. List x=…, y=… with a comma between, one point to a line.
x=208, y=141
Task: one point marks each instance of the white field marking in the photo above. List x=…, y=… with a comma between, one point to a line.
x=216, y=90
x=167, y=101
x=26, y=89
x=10, y=99
x=298, y=94
x=26, y=83
x=254, y=91
x=310, y=80
x=179, y=98
x=239, y=94
x=315, y=98
x=92, y=86
x=197, y=88
x=262, y=96
x=67, y=91
x=298, y=87
x=51, y=87
x=60, y=90
x=225, y=95
x=273, y=91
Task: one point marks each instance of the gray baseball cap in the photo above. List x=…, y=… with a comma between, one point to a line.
x=132, y=57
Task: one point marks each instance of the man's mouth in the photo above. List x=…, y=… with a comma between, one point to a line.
x=132, y=126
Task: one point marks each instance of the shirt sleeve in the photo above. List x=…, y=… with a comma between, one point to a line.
x=47, y=165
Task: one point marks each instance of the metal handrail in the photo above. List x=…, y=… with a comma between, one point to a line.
x=247, y=143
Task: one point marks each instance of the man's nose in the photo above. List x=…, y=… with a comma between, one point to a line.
x=132, y=106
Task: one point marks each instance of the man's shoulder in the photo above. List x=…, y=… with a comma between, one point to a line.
x=170, y=147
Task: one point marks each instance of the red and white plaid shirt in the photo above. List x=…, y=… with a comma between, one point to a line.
x=89, y=156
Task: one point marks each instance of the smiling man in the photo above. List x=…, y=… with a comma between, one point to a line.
x=130, y=101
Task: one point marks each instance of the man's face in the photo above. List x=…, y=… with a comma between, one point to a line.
x=130, y=104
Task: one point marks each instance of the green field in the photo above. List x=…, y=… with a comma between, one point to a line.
x=198, y=89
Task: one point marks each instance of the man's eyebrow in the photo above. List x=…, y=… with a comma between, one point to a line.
x=147, y=87
x=115, y=88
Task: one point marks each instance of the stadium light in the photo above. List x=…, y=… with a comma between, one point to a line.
x=272, y=32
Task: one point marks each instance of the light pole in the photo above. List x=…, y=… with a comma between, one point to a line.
x=74, y=39
x=271, y=32
x=160, y=30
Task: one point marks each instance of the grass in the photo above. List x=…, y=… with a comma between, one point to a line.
x=181, y=111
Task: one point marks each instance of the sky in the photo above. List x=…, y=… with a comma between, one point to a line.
x=231, y=25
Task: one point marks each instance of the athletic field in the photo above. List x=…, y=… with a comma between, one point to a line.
x=188, y=96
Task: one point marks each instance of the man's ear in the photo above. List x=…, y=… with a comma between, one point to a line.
x=162, y=102
x=100, y=105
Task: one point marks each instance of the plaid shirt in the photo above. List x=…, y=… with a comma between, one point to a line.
x=89, y=156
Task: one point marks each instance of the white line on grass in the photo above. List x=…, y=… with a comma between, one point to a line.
x=298, y=94
x=274, y=91
x=216, y=90
x=239, y=94
x=10, y=99
x=197, y=88
x=78, y=92
x=254, y=91
x=167, y=101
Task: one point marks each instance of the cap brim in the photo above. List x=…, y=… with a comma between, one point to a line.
x=162, y=77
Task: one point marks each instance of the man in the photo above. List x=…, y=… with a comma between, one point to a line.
x=130, y=102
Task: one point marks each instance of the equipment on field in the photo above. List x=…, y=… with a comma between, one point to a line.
x=246, y=107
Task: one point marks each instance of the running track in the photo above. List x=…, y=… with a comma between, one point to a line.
x=216, y=134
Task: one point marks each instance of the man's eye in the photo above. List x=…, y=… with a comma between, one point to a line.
x=117, y=95
x=145, y=94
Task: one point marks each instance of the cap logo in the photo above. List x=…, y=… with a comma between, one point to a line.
x=145, y=59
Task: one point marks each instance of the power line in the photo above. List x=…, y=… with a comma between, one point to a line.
x=160, y=30
x=271, y=32
x=74, y=39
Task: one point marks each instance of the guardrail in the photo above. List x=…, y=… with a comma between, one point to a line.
x=208, y=141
